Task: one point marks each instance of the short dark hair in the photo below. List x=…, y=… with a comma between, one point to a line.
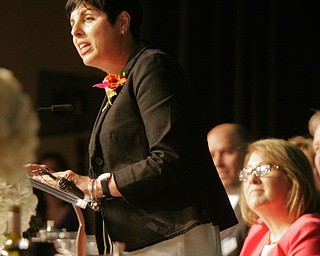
x=113, y=8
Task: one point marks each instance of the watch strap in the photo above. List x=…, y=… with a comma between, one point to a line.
x=104, y=178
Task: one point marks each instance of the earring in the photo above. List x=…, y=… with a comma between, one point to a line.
x=123, y=32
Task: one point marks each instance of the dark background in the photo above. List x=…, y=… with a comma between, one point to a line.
x=253, y=62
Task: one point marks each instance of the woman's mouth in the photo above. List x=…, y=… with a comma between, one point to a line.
x=83, y=48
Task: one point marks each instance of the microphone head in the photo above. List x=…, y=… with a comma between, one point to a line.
x=57, y=108
x=63, y=107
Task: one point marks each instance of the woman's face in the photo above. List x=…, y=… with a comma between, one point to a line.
x=267, y=193
x=93, y=36
x=316, y=146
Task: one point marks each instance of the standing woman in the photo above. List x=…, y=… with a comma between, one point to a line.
x=150, y=169
x=280, y=200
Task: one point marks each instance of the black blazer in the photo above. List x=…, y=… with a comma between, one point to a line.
x=237, y=234
x=153, y=140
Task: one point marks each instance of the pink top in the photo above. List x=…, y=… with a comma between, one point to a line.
x=301, y=239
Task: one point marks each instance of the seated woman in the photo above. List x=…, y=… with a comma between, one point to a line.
x=280, y=200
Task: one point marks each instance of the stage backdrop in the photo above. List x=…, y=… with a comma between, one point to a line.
x=254, y=62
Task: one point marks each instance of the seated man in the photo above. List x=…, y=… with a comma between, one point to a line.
x=227, y=144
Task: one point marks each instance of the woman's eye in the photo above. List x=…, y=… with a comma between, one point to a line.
x=88, y=18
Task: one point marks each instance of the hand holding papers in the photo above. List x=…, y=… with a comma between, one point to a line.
x=60, y=187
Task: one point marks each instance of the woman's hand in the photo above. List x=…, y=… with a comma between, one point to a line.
x=39, y=172
x=31, y=169
x=80, y=181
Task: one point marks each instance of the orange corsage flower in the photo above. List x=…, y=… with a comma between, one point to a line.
x=112, y=84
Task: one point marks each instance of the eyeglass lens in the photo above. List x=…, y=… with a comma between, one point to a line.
x=258, y=171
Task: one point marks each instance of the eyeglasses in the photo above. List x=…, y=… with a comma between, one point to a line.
x=259, y=171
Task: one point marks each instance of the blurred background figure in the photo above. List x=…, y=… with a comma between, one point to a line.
x=316, y=147
x=306, y=146
x=227, y=144
x=314, y=130
x=19, y=141
x=313, y=122
x=280, y=201
x=50, y=207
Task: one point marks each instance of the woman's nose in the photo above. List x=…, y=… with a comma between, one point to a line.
x=76, y=30
x=253, y=178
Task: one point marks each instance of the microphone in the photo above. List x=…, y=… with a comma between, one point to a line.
x=64, y=184
x=57, y=108
x=70, y=187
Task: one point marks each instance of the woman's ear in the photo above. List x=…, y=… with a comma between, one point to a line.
x=123, y=22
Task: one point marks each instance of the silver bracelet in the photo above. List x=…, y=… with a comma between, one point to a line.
x=92, y=188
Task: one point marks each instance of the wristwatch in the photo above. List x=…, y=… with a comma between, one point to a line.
x=103, y=178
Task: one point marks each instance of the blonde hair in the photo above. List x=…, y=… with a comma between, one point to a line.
x=303, y=196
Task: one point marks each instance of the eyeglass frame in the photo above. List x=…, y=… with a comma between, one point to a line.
x=256, y=171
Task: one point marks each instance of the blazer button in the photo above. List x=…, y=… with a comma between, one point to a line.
x=98, y=161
